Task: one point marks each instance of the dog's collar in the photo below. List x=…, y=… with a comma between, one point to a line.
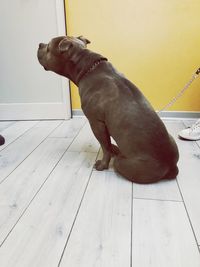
x=91, y=68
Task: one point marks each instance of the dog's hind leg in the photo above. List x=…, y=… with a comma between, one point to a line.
x=172, y=173
x=115, y=150
x=140, y=170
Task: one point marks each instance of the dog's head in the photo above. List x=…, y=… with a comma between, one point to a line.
x=53, y=56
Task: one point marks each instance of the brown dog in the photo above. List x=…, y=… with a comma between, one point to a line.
x=145, y=152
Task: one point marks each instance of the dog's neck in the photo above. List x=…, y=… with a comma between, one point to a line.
x=90, y=69
x=82, y=64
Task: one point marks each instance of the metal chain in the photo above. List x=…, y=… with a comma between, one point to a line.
x=181, y=92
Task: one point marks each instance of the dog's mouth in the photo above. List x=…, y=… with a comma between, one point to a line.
x=40, y=56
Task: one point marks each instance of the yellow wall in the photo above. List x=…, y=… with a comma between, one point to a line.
x=156, y=44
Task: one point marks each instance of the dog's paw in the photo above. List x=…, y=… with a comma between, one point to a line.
x=100, y=165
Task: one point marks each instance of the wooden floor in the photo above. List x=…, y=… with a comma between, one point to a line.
x=56, y=210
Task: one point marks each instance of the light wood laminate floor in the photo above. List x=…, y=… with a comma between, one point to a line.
x=56, y=210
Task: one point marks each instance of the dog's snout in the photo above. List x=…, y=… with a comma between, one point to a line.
x=41, y=45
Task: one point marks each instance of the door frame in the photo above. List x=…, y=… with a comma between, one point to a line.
x=62, y=30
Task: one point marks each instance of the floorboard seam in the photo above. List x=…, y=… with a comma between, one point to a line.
x=188, y=216
x=76, y=215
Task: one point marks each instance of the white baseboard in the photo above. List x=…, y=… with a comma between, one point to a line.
x=180, y=114
x=77, y=112
x=33, y=111
x=164, y=114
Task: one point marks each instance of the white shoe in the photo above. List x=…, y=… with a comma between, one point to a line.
x=192, y=133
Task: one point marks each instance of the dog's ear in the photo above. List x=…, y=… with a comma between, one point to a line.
x=86, y=41
x=64, y=45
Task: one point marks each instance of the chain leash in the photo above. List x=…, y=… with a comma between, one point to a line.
x=181, y=92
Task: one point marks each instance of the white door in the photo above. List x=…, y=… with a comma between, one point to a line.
x=26, y=90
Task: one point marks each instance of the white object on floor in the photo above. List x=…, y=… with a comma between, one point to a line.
x=191, y=133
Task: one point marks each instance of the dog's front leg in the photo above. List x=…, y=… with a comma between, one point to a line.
x=101, y=133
